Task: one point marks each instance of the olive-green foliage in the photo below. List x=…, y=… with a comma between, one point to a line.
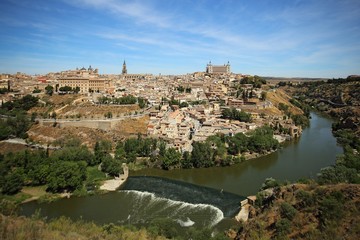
x=283, y=227
x=49, y=90
x=269, y=183
x=256, y=81
x=124, y=101
x=101, y=150
x=19, y=105
x=300, y=120
x=202, y=155
x=15, y=126
x=111, y=166
x=8, y=207
x=338, y=174
x=142, y=147
x=331, y=208
x=12, y=183
x=287, y=211
x=17, y=122
x=66, y=175
x=16, y=228
x=306, y=199
x=171, y=159
x=172, y=230
x=76, y=154
x=65, y=169
x=234, y=114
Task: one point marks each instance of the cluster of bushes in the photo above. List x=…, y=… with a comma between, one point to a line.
x=16, y=123
x=65, y=169
x=256, y=81
x=65, y=89
x=347, y=167
x=299, y=119
x=173, y=102
x=181, y=89
x=13, y=227
x=17, y=106
x=260, y=140
x=344, y=80
x=129, y=99
x=232, y=113
x=217, y=150
x=220, y=150
x=3, y=90
x=14, y=126
x=325, y=207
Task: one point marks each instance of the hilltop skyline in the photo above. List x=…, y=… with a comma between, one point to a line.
x=283, y=38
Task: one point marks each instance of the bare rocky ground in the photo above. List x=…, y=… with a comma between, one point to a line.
x=306, y=223
x=88, y=136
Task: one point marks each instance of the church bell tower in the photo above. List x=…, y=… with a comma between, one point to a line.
x=124, y=70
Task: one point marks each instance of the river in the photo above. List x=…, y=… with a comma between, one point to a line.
x=200, y=197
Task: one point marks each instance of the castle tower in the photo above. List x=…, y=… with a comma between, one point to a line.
x=228, y=67
x=124, y=70
x=209, y=68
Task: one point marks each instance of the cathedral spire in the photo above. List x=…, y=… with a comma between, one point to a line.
x=124, y=70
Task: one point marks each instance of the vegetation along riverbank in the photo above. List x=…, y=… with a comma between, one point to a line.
x=327, y=207
x=80, y=169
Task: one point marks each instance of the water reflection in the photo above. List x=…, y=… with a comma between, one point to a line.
x=304, y=157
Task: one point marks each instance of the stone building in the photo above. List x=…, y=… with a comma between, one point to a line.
x=218, y=69
x=87, y=80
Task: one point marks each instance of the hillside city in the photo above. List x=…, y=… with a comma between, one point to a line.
x=79, y=133
x=179, y=109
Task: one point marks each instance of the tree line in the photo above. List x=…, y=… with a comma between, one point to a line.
x=125, y=100
x=66, y=169
x=233, y=114
x=16, y=122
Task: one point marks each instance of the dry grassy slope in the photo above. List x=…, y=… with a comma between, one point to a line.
x=16, y=228
x=11, y=147
x=77, y=105
x=279, y=96
x=87, y=110
x=348, y=93
x=68, y=106
x=132, y=126
x=88, y=136
x=305, y=224
x=50, y=135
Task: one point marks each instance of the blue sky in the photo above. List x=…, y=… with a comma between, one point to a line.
x=289, y=38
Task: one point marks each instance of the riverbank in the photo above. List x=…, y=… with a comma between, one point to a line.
x=114, y=184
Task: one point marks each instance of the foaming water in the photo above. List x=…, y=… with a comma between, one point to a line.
x=147, y=206
x=186, y=193
x=141, y=200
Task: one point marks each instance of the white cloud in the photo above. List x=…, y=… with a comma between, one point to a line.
x=138, y=11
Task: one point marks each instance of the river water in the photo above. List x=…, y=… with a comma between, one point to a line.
x=200, y=197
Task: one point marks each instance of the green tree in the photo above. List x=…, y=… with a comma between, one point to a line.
x=202, y=155
x=142, y=102
x=76, y=89
x=287, y=211
x=66, y=89
x=283, y=227
x=102, y=148
x=49, y=90
x=65, y=175
x=171, y=159
x=186, y=160
x=13, y=183
x=111, y=166
x=38, y=175
x=331, y=209
x=263, y=96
